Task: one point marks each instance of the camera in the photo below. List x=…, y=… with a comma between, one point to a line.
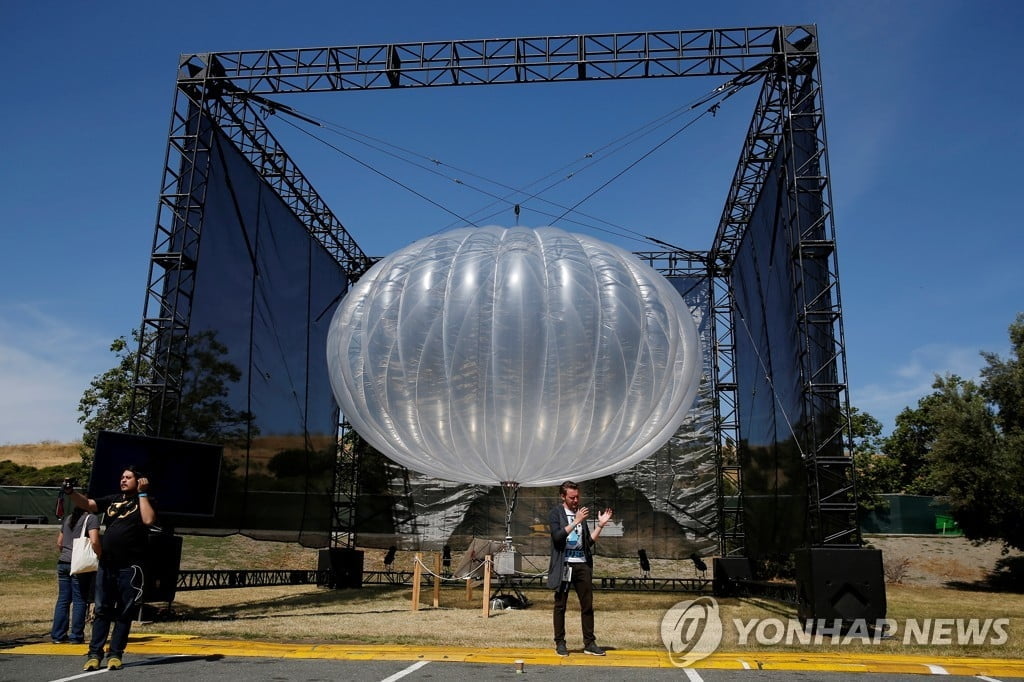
x=68, y=485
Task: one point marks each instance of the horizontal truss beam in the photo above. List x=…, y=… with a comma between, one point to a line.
x=189, y=581
x=601, y=56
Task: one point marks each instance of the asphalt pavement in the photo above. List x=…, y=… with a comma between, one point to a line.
x=156, y=656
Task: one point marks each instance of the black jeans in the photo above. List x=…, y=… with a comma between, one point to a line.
x=582, y=582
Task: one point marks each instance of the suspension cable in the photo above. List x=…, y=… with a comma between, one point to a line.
x=717, y=95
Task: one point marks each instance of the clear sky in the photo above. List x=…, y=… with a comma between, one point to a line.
x=924, y=122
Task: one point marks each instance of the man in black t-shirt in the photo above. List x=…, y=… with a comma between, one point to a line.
x=120, y=580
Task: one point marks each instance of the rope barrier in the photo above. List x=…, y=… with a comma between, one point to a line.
x=453, y=578
x=470, y=575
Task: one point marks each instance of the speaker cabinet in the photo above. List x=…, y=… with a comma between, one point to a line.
x=163, y=563
x=844, y=584
x=728, y=570
x=344, y=567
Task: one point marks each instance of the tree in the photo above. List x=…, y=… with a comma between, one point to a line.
x=876, y=473
x=205, y=413
x=19, y=474
x=866, y=432
x=105, y=404
x=978, y=455
x=1003, y=383
x=909, y=445
x=965, y=444
x=973, y=464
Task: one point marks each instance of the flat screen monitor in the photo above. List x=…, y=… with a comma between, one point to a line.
x=184, y=475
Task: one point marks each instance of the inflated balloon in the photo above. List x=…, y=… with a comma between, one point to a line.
x=491, y=355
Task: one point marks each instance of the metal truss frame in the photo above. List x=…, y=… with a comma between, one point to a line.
x=712, y=52
x=826, y=436
x=230, y=89
x=347, y=489
x=191, y=581
x=790, y=108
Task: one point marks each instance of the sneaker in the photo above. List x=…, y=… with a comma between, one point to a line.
x=92, y=664
x=560, y=649
x=114, y=663
x=593, y=649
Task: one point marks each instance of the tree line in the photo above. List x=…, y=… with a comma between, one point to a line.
x=963, y=443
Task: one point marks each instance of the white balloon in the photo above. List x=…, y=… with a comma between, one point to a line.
x=491, y=355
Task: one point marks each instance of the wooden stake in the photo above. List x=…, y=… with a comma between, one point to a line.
x=487, y=586
x=437, y=581
x=417, y=574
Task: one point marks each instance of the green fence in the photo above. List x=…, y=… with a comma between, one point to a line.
x=911, y=514
x=28, y=504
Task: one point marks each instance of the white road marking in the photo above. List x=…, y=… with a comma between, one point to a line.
x=81, y=675
x=402, y=673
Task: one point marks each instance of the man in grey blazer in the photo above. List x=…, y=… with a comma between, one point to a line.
x=572, y=564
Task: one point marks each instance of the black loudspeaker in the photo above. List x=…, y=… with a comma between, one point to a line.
x=727, y=571
x=837, y=583
x=344, y=567
x=163, y=563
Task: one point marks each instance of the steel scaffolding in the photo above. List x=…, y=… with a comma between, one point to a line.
x=230, y=90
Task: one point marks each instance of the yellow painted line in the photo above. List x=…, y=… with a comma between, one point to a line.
x=169, y=645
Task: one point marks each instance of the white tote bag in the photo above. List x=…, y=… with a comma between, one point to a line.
x=83, y=558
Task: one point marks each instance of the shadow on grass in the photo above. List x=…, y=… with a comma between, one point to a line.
x=1007, y=576
x=27, y=639
x=775, y=607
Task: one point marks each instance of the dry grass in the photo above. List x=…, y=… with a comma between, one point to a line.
x=896, y=568
x=39, y=455
x=379, y=614
x=376, y=614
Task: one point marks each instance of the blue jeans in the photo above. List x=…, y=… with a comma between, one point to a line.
x=118, y=593
x=72, y=593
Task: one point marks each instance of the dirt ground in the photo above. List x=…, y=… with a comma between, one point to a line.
x=935, y=561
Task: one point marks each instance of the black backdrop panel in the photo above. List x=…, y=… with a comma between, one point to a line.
x=184, y=476
x=768, y=371
x=264, y=295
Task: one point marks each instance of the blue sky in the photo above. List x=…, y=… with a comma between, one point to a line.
x=923, y=117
